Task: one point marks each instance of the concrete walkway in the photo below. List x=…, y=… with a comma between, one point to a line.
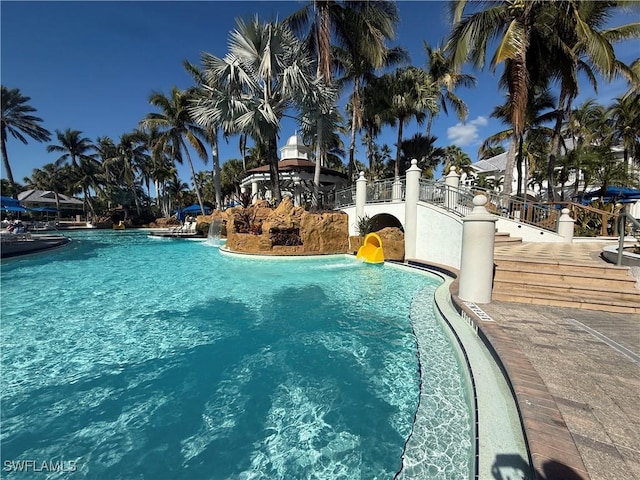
x=589, y=362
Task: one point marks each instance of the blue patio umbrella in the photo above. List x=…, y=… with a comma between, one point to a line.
x=622, y=193
x=9, y=204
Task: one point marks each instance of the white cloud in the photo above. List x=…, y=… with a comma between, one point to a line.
x=466, y=134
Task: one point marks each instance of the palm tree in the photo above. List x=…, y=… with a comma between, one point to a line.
x=232, y=173
x=625, y=116
x=362, y=50
x=159, y=168
x=447, y=79
x=326, y=123
x=484, y=182
x=490, y=151
x=455, y=157
x=584, y=126
x=17, y=121
x=177, y=127
x=266, y=72
x=52, y=178
x=87, y=177
x=360, y=30
x=588, y=47
x=176, y=192
x=421, y=148
x=539, y=41
x=536, y=114
x=212, y=130
x=9, y=189
x=131, y=157
x=75, y=149
x=376, y=112
x=379, y=159
x=106, y=150
x=411, y=93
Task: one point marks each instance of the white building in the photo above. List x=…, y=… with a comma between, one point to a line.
x=494, y=169
x=47, y=198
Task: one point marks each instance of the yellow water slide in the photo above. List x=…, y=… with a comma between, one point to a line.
x=371, y=250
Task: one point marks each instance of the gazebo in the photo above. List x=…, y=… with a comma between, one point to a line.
x=296, y=170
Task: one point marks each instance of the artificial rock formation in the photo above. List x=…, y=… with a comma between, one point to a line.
x=287, y=230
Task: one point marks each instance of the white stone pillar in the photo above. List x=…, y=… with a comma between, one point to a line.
x=476, y=262
x=565, y=226
x=396, y=190
x=411, y=198
x=254, y=192
x=452, y=181
x=361, y=196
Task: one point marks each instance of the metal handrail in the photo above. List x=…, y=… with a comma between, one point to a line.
x=623, y=216
x=459, y=201
x=345, y=197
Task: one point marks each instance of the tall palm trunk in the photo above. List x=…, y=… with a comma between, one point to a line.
x=136, y=200
x=519, y=162
x=507, y=186
x=5, y=159
x=400, y=128
x=216, y=169
x=553, y=154
x=354, y=121
x=272, y=153
x=315, y=200
x=370, y=151
x=87, y=199
x=429, y=124
x=55, y=195
x=193, y=178
x=243, y=150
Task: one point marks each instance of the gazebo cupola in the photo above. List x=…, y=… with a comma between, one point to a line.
x=295, y=149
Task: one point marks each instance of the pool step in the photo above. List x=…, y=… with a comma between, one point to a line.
x=547, y=282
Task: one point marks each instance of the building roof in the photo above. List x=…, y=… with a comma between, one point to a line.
x=493, y=164
x=297, y=165
x=47, y=197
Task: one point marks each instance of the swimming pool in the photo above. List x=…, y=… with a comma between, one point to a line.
x=129, y=357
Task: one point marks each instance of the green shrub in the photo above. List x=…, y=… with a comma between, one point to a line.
x=364, y=225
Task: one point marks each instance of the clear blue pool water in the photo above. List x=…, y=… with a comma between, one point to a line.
x=130, y=357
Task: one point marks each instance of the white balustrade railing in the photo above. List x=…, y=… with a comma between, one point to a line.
x=458, y=200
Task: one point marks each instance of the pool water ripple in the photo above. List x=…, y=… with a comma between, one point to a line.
x=139, y=358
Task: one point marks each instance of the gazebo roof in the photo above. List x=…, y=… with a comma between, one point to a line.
x=297, y=165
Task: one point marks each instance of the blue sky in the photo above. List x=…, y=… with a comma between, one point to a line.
x=90, y=66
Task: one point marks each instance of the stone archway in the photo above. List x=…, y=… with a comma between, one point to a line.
x=384, y=220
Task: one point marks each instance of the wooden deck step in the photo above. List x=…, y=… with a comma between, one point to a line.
x=562, y=278
x=576, y=293
x=595, y=270
x=593, y=286
x=558, y=301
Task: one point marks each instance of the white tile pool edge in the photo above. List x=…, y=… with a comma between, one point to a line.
x=498, y=430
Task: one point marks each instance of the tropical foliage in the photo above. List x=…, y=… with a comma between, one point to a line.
x=16, y=119
x=332, y=67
